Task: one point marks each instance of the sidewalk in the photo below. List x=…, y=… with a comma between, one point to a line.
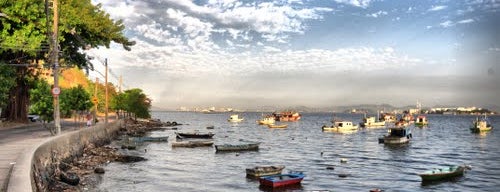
x=19, y=139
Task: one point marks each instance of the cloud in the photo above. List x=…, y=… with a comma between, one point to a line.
x=447, y=24
x=437, y=7
x=377, y=14
x=466, y=21
x=356, y=3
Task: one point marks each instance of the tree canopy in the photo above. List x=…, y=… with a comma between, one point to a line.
x=25, y=33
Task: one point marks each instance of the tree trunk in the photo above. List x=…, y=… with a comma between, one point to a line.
x=17, y=109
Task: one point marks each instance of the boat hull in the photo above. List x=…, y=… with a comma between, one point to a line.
x=194, y=135
x=281, y=180
x=441, y=175
x=396, y=140
x=264, y=171
x=278, y=126
x=241, y=147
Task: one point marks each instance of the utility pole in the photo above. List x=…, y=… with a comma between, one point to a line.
x=120, y=86
x=95, y=99
x=56, y=90
x=106, y=85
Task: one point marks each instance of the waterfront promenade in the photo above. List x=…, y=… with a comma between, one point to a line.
x=15, y=140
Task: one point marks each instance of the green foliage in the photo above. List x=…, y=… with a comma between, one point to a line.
x=136, y=102
x=74, y=99
x=7, y=81
x=42, y=102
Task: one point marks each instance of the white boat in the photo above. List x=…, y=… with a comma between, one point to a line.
x=397, y=135
x=421, y=121
x=341, y=126
x=267, y=120
x=235, y=118
x=481, y=125
x=370, y=122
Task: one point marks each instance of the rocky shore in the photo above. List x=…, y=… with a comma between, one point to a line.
x=83, y=173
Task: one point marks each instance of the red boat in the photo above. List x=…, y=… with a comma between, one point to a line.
x=287, y=116
x=282, y=179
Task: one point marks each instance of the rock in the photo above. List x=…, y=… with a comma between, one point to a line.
x=69, y=178
x=129, y=147
x=64, y=166
x=130, y=159
x=99, y=170
x=330, y=168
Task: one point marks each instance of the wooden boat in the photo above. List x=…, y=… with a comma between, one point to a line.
x=388, y=117
x=277, y=126
x=260, y=171
x=341, y=127
x=198, y=135
x=370, y=122
x=443, y=173
x=237, y=147
x=266, y=120
x=191, y=144
x=148, y=139
x=397, y=135
x=481, y=125
x=281, y=179
x=421, y=121
x=287, y=116
x=235, y=118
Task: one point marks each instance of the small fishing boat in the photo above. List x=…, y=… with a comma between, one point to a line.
x=341, y=127
x=237, y=147
x=421, y=121
x=397, y=135
x=370, y=122
x=481, y=125
x=198, y=135
x=266, y=120
x=282, y=179
x=443, y=173
x=287, y=116
x=193, y=143
x=260, y=171
x=148, y=139
x=235, y=118
x=277, y=126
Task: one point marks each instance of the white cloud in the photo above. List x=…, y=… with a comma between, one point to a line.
x=437, y=7
x=357, y=3
x=466, y=21
x=377, y=14
x=447, y=24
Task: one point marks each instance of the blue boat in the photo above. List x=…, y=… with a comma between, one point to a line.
x=281, y=180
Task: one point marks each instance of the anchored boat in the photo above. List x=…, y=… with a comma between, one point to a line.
x=443, y=173
x=282, y=179
x=397, y=135
x=481, y=125
x=260, y=171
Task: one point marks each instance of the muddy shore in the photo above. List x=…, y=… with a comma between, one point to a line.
x=84, y=173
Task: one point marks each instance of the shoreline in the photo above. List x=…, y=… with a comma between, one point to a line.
x=88, y=167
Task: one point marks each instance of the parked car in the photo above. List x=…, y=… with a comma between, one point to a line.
x=34, y=118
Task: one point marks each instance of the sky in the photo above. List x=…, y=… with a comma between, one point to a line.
x=315, y=53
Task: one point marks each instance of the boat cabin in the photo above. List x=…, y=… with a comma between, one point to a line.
x=399, y=132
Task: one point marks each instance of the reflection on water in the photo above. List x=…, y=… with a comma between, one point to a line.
x=304, y=147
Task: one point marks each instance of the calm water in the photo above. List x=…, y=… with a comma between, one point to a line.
x=446, y=141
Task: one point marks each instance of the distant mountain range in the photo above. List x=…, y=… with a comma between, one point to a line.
x=369, y=108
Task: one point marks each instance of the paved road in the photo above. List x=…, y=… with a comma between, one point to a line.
x=15, y=140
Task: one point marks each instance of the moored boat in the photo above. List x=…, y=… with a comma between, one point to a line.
x=388, y=117
x=397, y=135
x=191, y=144
x=148, y=139
x=266, y=120
x=287, y=116
x=277, y=126
x=421, y=121
x=199, y=135
x=481, y=125
x=341, y=126
x=260, y=171
x=370, y=122
x=235, y=118
x=282, y=179
x=237, y=147
x=443, y=173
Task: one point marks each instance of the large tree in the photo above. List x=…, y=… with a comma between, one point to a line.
x=24, y=41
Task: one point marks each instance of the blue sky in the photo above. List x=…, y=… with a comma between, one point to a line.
x=245, y=54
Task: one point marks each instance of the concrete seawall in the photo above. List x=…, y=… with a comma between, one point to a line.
x=37, y=165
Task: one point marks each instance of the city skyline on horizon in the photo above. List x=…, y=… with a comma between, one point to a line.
x=308, y=53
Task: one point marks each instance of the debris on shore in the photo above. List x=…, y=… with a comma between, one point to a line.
x=79, y=173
